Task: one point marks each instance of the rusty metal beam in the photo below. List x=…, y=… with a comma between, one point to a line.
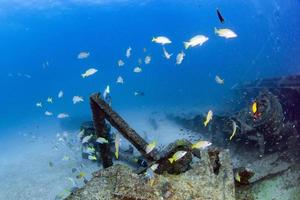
x=99, y=124
x=119, y=123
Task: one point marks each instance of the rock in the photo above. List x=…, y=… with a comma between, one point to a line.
x=198, y=183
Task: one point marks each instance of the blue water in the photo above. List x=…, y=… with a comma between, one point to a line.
x=32, y=34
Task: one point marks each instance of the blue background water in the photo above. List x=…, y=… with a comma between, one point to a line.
x=33, y=33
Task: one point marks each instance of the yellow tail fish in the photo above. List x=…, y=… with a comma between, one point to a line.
x=208, y=117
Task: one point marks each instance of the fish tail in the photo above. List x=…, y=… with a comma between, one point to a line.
x=186, y=45
x=153, y=39
x=171, y=160
x=117, y=155
x=83, y=75
x=216, y=30
x=205, y=123
x=193, y=146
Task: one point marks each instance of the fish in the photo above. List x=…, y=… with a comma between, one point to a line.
x=120, y=80
x=50, y=164
x=178, y=155
x=128, y=52
x=254, y=107
x=106, y=92
x=121, y=63
x=90, y=150
x=234, y=127
x=102, y=140
x=77, y=99
x=208, y=117
x=89, y=72
x=161, y=40
x=221, y=18
x=72, y=181
x=226, y=33
x=27, y=76
x=147, y=60
x=74, y=170
x=80, y=134
x=39, y=104
x=86, y=139
x=166, y=54
x=201, y=145
x=92, y=157
x=154, y=167
x=197, y=40
x=49, y=100
x=80, y=175
x=60, y=94
x=139, y=93
x=117, y=145
x=219, y=80
x=144, y=50
x=83, y=55
x=180, y=58
x=140, y=62
x=66, y=158
x=47, y=113
x=150, y=147
x=62, y=115
x=237, y=177
x=137, y=70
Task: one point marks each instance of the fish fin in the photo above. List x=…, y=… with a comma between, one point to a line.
x=186, y=45
x=216, y=30
x=171, y=160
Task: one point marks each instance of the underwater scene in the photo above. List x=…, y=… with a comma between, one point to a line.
x=150, y=100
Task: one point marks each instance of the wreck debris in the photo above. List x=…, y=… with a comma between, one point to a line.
x=115, y=120
x=99, y=124
x=119, y=182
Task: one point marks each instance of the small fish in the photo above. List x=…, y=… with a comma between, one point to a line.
x=220, y=16
x=80, y=134
x=47, y=113
x=89, y=72
x=150, y=147
x=80, y=175
x=72, y=181
x=137, y=70
x=161, y=40
x=120, y=80
x=49, y=100
x=83, y=55
x=201, y=145
x=86, y=139
x=180, y=58
x=27, y=76
x=60, y=94
x=237, y=177
x=208, y=117
x=106, y=92
x=62, y=115
x=219, y=80
x=144, y=50
x=128, y=52
x=197, y=40
x=92, y=157
x=147, y=60
x=74, y=170
x=139, y=93
x=66, y=158
x=254, y=107
x=166, y=54
x=50, y=164
x=226, y=33
x=121, y=63
x=117, y=145
x=140, y=62
x=178, y=155
x=102, y=140
x=77, y=99
x=154, y=167
x=90, y=150
x=234, y=127
x=39, y=104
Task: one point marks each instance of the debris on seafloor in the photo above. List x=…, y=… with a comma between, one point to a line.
x=199, y=182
